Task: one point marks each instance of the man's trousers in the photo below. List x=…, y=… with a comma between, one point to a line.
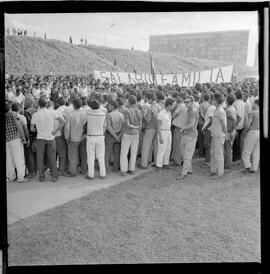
x=217, y=155
x=73, y=157
x=146, y=153
x=128, y=142
x=251, y=149
x=112, y=148
x=15, y=160
x=188, y=144
x=46, y=148
x=61, y=150
x=176, y=150
x=164, y=149
x=95, y=149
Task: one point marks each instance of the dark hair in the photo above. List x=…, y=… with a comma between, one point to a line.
x=238, y=94
x=256, y=102
x=15, y=106
x=77, y=103
x=113, y=103
x=230, y=99
x=196, y=97
x=42, y=102
x=160, y=95
x=94, y=104
x=175, y=94
x=61, y=101
x=206, y=97
x=84, y=101
x=149, y=96
x=218, y=97
x=169, y=102
x=120, y=101
x=132, y=99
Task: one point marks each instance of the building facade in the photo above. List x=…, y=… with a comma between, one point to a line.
x=229, y=46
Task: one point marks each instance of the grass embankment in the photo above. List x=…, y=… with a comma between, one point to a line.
x=40, y=56
x=152, y=218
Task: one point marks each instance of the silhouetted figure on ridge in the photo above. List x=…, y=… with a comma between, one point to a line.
x=70, y=40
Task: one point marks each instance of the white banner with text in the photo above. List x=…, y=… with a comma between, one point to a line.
x=184, y=79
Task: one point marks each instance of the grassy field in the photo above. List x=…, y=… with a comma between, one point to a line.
x=150, y=219
x=40, y=56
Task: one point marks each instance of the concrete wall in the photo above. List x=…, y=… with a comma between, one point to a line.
x=229, y=46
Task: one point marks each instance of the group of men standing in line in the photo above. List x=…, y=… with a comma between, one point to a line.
x=156, y=126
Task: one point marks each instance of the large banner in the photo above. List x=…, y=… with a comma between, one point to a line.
x=185, y=79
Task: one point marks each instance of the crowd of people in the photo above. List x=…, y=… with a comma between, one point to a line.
x=75, y=125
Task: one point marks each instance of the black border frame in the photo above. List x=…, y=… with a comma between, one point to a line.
x=133, y=6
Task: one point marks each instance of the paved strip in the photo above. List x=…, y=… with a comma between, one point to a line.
x=24, y=200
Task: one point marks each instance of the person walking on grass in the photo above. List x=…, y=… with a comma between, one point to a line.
x=164, y=135
x=95, y=143
x=189, y=138
x=218, y=132
x=251, y=146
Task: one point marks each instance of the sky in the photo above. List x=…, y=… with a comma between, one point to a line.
x=124, y=30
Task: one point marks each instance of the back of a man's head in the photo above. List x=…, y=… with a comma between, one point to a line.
x=61, y=101
x=15, y=107
x=77, y=103
x=169, y=102
x=238, y=94
x=42, y=102
x=132, y=100
x=94, y=104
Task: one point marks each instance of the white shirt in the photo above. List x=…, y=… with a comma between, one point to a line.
x=11, y=95
x=44, y=120
x=209, y=113
x=83, y=92
x=22, y=119
x=19, y=99
x=240, y=110
x=166, y=119
x=62, y=112
x=36, y=93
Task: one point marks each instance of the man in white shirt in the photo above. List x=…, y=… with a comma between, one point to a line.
x=19, y=97
x=96, y=126
x=164, y=135
x=43, y=122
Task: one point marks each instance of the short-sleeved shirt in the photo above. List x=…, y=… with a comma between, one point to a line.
x=254, y=116
x=44, y=120
x=19, y=98
x=240, y=110
x=36, y=93
x=216, y=127
x=166, y=118
x=116, y=120
x=191, y=115
x=180, y=120
x=75, y=122
x=203, y=108
x=22, y=119
x=209, y=114
x=12, y=131
x=134, y=116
